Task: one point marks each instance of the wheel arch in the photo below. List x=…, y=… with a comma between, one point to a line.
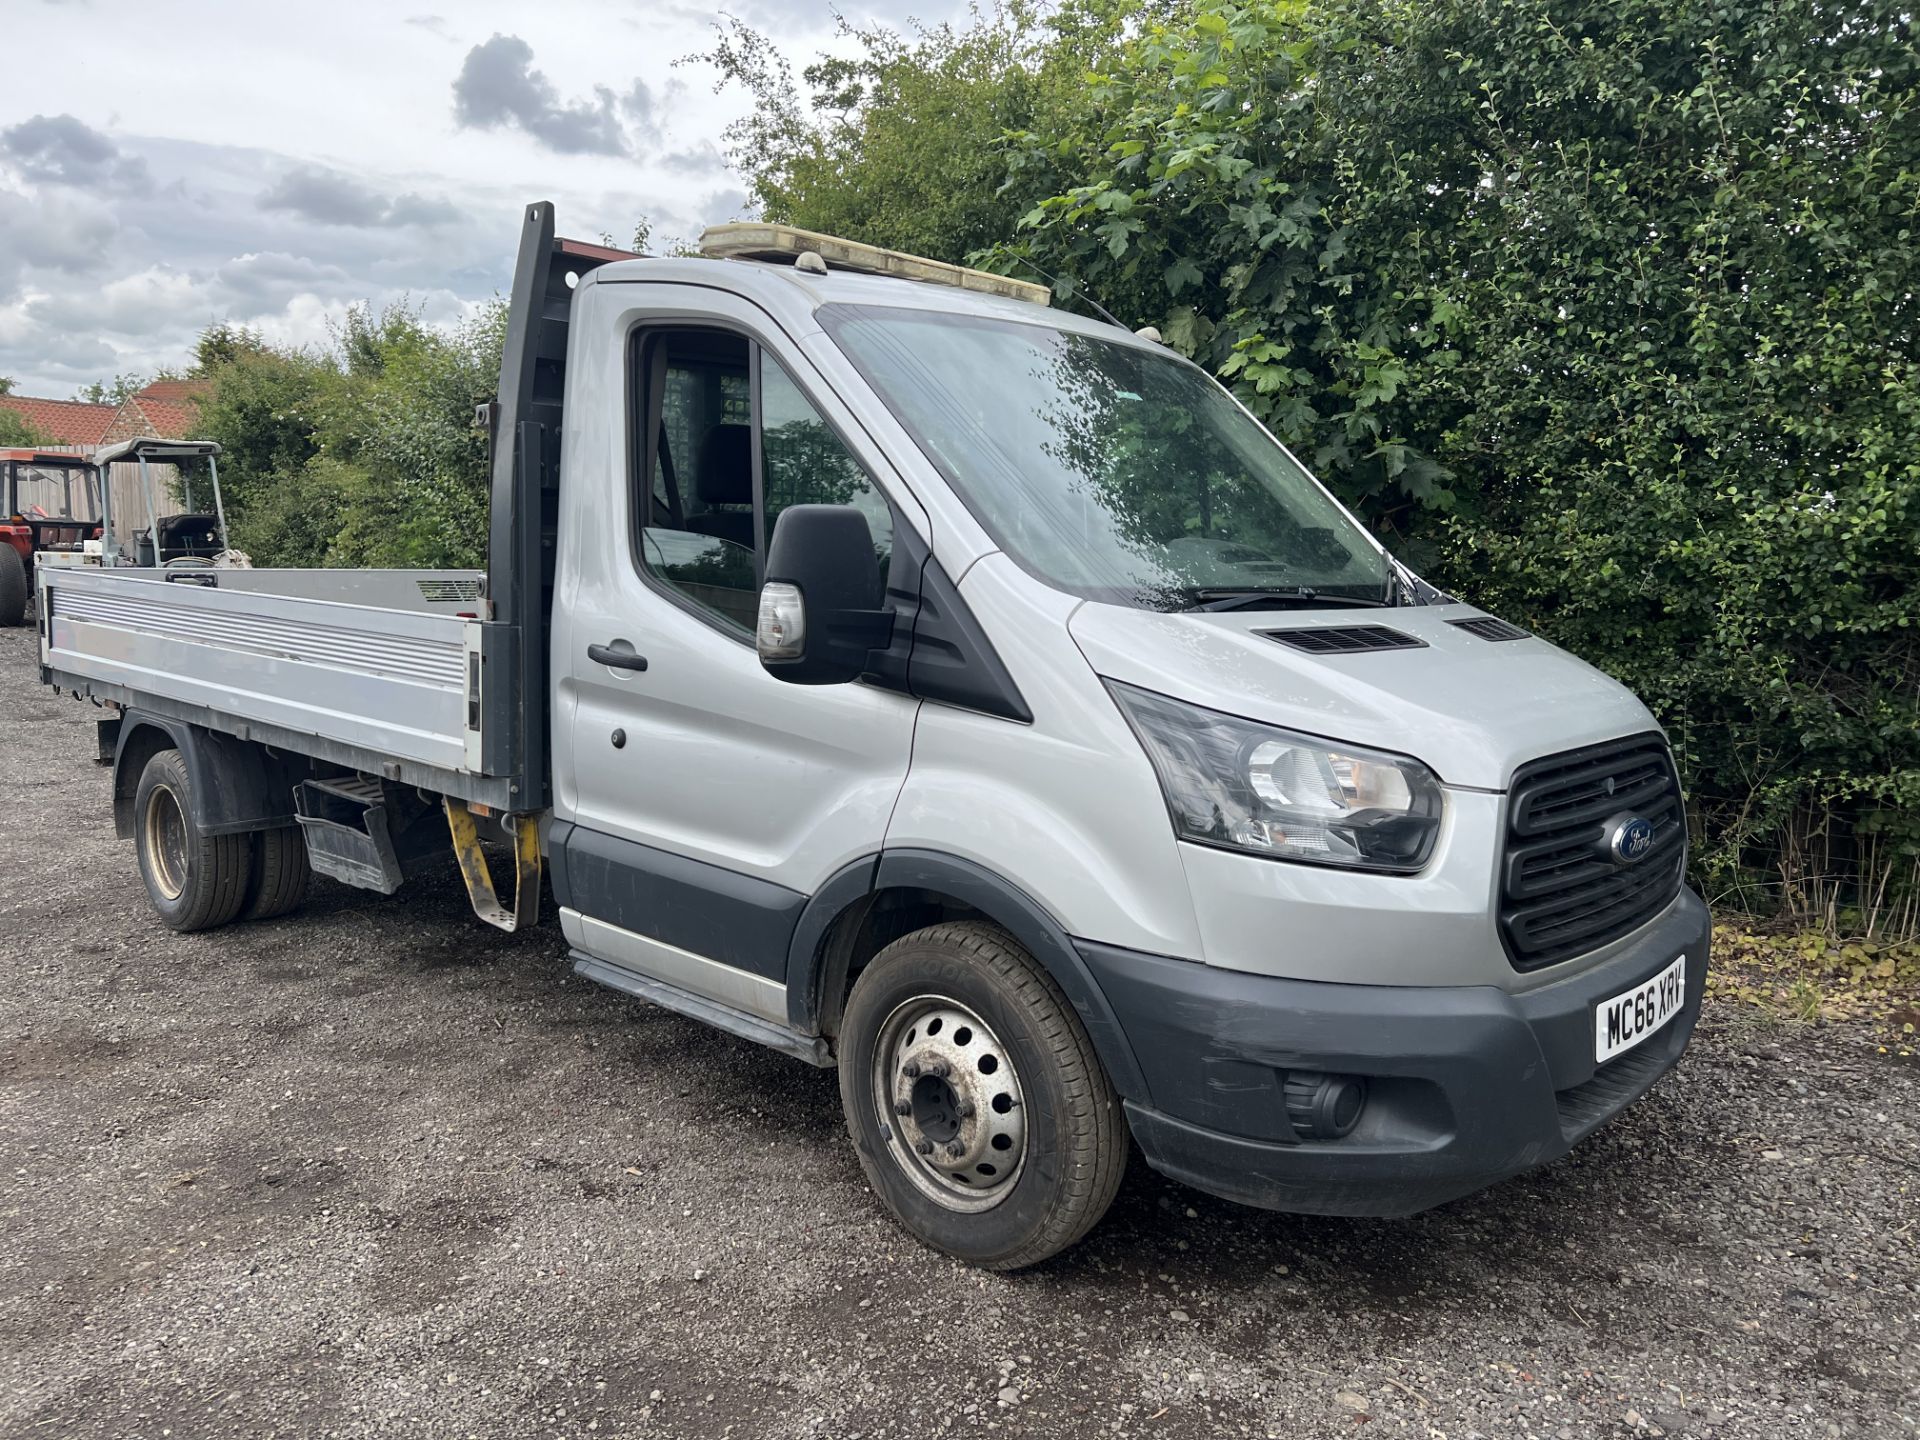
x=237, y=785
x=866, y=905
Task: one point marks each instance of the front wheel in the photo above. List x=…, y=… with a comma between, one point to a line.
x=982, y=1116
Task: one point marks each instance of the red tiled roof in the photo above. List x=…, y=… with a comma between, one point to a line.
x=63, y=422
x=176, y=391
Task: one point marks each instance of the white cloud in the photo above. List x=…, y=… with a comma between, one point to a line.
x=329, y=164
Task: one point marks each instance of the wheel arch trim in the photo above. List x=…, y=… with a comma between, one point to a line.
x=999, y=900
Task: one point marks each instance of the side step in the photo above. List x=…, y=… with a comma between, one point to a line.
x=524, y=830
x=345, y=824
x=811, y=1048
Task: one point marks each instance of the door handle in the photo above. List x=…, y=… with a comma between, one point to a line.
x=616, y=659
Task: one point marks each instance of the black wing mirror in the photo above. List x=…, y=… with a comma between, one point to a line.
x=822, y=607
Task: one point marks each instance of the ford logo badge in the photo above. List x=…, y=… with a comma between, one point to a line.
x=1629, y=838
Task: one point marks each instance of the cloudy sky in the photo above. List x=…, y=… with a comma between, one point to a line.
x=166, y=166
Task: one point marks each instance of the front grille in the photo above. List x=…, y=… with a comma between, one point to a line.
x=1561, y=892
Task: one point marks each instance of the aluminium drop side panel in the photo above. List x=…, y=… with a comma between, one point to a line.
x=389, y=683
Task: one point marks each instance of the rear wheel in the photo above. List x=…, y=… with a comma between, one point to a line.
x=13, y=585
x=195, y=881
x=981, y=1114
x=280, y=875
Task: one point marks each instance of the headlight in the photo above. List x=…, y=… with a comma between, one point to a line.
x=1249, y=786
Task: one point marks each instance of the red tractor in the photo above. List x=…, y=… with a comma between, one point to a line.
x=50, y=503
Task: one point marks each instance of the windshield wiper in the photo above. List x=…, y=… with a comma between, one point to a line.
x=1296, y=595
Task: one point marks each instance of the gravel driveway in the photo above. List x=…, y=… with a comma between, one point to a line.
x=380, y=1170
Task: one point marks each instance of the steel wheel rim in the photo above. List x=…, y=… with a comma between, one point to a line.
x=166, y=841
x=949, y=1103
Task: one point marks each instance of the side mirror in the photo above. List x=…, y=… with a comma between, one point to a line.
x=821, y=610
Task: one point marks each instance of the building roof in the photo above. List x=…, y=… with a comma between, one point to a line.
x=166, y=408
x=177, y=391
x=63, y=422
x=171, y=418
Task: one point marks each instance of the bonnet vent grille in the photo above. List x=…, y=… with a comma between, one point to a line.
x=1345, y=639
x=1488, y=628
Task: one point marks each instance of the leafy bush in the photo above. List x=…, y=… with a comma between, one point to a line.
x=364, y=455
x=1605, y=315
x=14, y=430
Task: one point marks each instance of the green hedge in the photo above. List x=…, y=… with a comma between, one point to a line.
x=1606, y=315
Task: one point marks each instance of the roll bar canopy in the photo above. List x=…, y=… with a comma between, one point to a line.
x=152, y=447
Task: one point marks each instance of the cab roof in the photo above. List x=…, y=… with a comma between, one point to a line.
x=153, y=447
x=30, y=456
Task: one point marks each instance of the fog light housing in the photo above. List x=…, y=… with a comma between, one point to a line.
x=1324, y=1107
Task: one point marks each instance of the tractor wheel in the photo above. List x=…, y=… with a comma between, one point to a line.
x=195, y=881
x=280, y=875
x=13, y=586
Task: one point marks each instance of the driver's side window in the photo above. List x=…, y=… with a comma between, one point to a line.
x=720, y=457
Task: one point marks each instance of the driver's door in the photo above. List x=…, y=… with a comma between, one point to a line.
x=707, y=799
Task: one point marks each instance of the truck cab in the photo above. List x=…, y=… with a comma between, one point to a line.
x=976, y=698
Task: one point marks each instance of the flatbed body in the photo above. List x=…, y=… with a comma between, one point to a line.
x=377, y=670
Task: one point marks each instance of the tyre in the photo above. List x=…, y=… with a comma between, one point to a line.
x=13, y=586
x=280, y=875
x=195, y=881
x=982, y=1116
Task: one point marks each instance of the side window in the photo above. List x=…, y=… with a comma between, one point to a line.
x=806, y=464
x=698, y=533
x=700, y=528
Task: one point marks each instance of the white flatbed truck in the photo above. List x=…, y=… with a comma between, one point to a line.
x=974, y=697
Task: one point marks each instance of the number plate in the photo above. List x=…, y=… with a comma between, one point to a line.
x=1624, y=1021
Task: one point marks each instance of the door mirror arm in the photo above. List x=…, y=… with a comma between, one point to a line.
x=822, y=608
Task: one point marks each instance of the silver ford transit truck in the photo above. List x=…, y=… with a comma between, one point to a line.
x=898, y=671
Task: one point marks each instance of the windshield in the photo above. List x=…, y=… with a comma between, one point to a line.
x=55, y=491
x=1107, y=469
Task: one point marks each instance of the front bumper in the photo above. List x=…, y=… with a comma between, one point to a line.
x=1467, y=1084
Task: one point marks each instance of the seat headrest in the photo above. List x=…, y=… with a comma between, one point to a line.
x=726, y=466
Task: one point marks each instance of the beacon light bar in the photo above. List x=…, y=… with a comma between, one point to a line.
x=750, y=240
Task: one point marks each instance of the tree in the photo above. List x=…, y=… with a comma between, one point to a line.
x=14, y=430
x=6, y=384
x=222, y=343
x=111, y=392
x=365, y=454
x=899, y=145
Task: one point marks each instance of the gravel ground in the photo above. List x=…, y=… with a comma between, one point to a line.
x=379, y=1170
